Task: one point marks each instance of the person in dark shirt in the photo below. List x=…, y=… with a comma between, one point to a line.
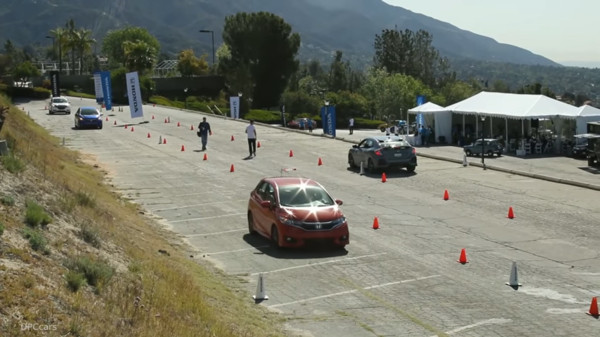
x=203, y=131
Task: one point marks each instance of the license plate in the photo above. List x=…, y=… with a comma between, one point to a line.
x=397, y=154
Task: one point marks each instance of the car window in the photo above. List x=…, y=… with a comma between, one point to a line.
x=88, y=112
x=59, y=100
x=396, y=144
x=364, y=144
x=304, y=196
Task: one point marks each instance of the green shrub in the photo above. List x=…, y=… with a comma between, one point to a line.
x=85, y=199
x=90, y=235
x=96, y=272
x=264, y=116
x=1, y=228
x=35, y=215
x=7, y=200
x=37, y=241
x=75, y=280
x=13, y=164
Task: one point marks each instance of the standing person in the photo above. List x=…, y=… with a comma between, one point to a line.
x=203, y=132
x=351, y=125
x=251, y=131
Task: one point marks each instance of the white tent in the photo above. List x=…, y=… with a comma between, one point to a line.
x=441, y=116
x=585, y=114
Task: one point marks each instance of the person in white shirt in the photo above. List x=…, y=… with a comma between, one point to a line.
x=251, y=131
x=351, y=125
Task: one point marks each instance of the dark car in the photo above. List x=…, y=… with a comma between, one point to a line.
x=490, y=147
x=580, y=149
x=88, y=117
x=293, y=211
x=380, y=152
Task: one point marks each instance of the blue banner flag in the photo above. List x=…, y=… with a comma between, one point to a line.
x=106, y=89
x=98, y=87
x=328, y=119
x=421, y=100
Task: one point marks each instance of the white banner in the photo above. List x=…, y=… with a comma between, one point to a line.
x=134, y=95
x=234, y=106
x=98, y=87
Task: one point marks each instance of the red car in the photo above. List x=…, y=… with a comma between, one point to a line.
x=292, y=211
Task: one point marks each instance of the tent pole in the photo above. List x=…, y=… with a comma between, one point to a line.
x=506, y=130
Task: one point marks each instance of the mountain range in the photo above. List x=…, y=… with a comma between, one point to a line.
x=324, y=25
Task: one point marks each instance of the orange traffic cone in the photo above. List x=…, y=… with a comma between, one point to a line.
x=258, y=144
x=182, y=148
x=291, y=153
x=594, y=307
x=205, y=157
x=375, y=223
x=320, y=162
x=446, y=195
x=164, y=140
x=153, y=105
x=178, y=125
x=166, y=121
x=232, y=138
x=511, y=214
x=125, y=126
x=148, y=134
x=192, y=127
x=132, y=129
x=231, y=169
x=383, y=177
x=106, y=119
x=152, y=116
x=463, y=257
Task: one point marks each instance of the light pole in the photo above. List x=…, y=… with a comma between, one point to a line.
x=59, y=52
x=212, y=33
x=482, y=142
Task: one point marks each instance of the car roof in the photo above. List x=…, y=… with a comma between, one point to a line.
x=387, y=138
x=89, y=108
x=290, y=181
x=61, y=97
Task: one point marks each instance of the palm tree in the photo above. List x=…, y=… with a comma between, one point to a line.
x=60, y=39
x=83, y=44
x=139, y=55
x=70, y=44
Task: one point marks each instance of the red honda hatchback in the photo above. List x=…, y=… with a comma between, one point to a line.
x=292, y=211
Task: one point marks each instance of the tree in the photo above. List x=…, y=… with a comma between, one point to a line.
x=60, y=41
x=190, y=65
x=133, y=47
x=338, y=70
x=82, y=44
x=262, y=55
x=24, y=71
x=408, y=53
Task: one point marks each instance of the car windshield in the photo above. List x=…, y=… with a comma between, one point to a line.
x=304, y=196
x=88, y=112
x=59, y=100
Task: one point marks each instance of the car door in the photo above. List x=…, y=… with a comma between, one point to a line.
x=264, y=216
x=362, y=151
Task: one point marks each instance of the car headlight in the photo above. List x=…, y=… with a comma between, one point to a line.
x=338, y=221
x=287, y=220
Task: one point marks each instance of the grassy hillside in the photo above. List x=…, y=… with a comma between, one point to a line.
x=76, y=259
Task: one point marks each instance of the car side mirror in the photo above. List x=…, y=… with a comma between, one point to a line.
x=266, y=203
x=339, y=202
x=355, y=146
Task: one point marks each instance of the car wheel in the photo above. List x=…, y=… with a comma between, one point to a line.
x=468, y=153
x=370, y=166
x=50, y=112
x=499, y=154
x=410, y=168
x=351, y=161
x=100, y=126
x=251, y=229
x=382, y=129
x=490, y=153
x=275, y=237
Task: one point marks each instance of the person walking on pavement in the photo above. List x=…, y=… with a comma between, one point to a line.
x=351, y=125
x=203, y=132
x=251, y=131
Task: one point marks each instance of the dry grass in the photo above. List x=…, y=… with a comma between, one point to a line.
x=150, y=294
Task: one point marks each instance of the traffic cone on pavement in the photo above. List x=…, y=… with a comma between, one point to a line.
x=178, y=124
x=463, y=257
x=362, y=169
x=320, y=162
x=258, y=144
x=511, y=214
x=132, y=129
x=383, y=177
x=446, y=195
x=205, y=157
x=182, y=148
x=166, y=121
x=148, y=134
x=231, y=169
x=159, y=139
x=164, y=140
x=232, y=138
x=594, y=308
x=106, y=119
x=152, y=116
x=291, y=153
x=465, y=162
x=125, y=126
x=513, y=281
x=260, y=290
x=375, y=223
x=115, y=123
x=192, y=127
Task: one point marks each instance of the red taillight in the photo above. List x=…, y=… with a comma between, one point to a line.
x=378, y=153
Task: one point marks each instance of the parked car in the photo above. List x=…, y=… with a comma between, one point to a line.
x=302, y=123
x=88, y=116
x=580, y=149
x=292, y=211
x=398, y=127
x=380, y=152
x=490, y=147
x=59, y=104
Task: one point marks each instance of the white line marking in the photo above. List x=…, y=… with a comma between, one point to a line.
x=559, y=311
x=352, y=291
x=237, y=250
x=316, y=264
x=216, y=233
x=206, y=218
x=197, y=205
x=486, y=322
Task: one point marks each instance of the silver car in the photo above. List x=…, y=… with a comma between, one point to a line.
x=59, y=104
x=379, y=152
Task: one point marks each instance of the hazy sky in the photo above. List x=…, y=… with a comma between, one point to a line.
x=566, y=32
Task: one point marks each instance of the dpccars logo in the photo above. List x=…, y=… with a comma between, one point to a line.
x=38, y=327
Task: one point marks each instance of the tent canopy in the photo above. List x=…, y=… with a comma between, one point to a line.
x=427, y=108
x=588, y=111
x=515, y=106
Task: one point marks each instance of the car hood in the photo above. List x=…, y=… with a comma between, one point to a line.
x=314, y=214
